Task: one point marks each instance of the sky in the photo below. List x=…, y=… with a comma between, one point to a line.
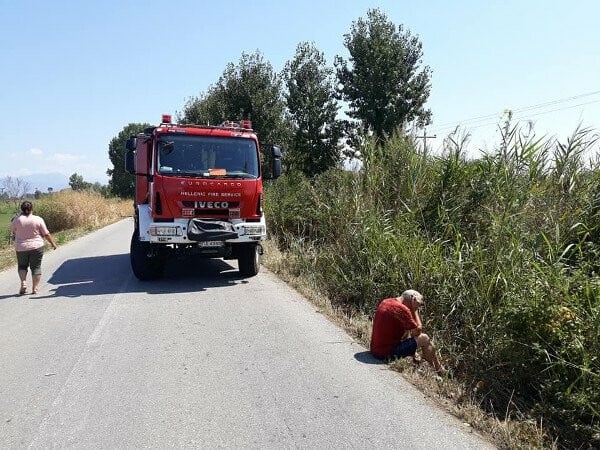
x=74, y=73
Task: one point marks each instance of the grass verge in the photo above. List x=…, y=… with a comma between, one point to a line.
x=453, y=396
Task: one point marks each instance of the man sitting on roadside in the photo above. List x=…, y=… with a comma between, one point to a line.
x=398, y=330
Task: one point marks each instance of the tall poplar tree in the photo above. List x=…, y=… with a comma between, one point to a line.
x=381, y=81
x=313, y=108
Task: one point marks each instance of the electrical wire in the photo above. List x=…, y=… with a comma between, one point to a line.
x=517, y=113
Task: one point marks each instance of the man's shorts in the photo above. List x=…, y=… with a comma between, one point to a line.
x=32, y=259
x=407, y=347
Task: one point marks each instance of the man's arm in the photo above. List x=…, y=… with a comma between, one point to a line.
x=417, y=318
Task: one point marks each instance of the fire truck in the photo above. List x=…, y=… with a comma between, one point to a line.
x=198, y=191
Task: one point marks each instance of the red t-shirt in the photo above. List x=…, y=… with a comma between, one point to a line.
x=392, y=320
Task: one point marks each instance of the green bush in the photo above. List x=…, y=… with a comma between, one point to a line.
x=505, y=248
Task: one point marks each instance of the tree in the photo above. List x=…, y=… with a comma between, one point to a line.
x=121, y=183
x=76, y=182
x=381, y=81
x=15, y=189
x=250, y=90
x=313, y=108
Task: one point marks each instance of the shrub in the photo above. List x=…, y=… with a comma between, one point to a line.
x=79, y=209
x=505, y=249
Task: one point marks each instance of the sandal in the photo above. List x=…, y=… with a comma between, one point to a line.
x=23, y=290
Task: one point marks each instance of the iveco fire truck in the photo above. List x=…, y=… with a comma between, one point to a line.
x=198, y=190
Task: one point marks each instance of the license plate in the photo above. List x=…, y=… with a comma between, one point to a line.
x=210, y=243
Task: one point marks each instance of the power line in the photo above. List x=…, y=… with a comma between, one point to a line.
x=525, y=108
x=519, y=115
x=450, y=125
x=544, y=112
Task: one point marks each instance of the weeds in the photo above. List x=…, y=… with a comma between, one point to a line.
x=505, y=249
x=67, y=214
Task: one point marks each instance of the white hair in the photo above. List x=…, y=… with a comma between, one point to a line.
x=411, y=294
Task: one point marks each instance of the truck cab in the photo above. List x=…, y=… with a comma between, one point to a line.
x=198, y=190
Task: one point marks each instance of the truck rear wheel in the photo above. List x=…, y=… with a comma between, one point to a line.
x=249, y=260
x=144, y=264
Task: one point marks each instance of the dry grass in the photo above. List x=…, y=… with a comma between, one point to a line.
x=70, y=214
x=452, y=395
x=80, y=209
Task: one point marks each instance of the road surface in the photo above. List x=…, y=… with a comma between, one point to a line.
x=200, y=359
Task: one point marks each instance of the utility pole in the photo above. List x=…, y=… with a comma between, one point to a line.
x=425, y=137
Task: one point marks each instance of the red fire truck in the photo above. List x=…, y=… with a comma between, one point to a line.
x=198, y=190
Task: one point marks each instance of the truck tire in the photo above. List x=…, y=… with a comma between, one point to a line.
x=249, y=260
x=144, y=266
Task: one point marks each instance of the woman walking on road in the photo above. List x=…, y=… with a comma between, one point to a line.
x=30, y=231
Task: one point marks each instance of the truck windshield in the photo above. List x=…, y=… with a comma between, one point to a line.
x=208, y=156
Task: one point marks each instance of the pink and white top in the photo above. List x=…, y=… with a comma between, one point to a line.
x=29, y=232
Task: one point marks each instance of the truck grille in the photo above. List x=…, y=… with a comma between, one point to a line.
x=210, y=212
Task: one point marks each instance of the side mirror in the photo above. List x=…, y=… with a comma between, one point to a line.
x=276, y=161
x=130, y=161
x=131, y=143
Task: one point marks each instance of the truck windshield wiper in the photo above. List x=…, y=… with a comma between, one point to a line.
x=188, y=174
x=240, y=175
x=203, y=174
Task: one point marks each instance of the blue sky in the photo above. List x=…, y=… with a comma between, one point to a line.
x=74, y=73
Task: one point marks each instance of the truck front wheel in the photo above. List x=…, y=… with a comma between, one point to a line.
x=249, y=260
x=145, y=265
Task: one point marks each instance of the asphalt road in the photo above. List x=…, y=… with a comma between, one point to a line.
x=201, y=358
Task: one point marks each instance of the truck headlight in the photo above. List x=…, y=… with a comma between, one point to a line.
x=165, y=231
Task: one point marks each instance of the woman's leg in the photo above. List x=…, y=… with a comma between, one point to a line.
x=23, y=278
x=36, y=283
x=22, y=265
x=36, y=268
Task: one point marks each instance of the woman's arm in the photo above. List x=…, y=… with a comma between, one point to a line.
x=50, y=239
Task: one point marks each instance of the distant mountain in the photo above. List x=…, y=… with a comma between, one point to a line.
x=43, y=181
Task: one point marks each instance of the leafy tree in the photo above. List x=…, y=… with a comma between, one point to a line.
x=207, y=109
x=250, y=90
x=381, y=81
x=121, y=183
x=76, y=182
x=101, y=189
x=313, y=108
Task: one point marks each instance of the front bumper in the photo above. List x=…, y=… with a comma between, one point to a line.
x=194, y=231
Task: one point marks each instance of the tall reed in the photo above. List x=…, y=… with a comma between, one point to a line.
x=505, y=248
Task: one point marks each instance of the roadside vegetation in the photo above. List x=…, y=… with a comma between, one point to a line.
x=505, y=247
x=506, y=250
x=68, y=214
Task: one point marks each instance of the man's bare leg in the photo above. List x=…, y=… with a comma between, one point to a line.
x=424, y=343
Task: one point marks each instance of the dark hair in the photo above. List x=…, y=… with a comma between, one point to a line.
x=26, y=207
